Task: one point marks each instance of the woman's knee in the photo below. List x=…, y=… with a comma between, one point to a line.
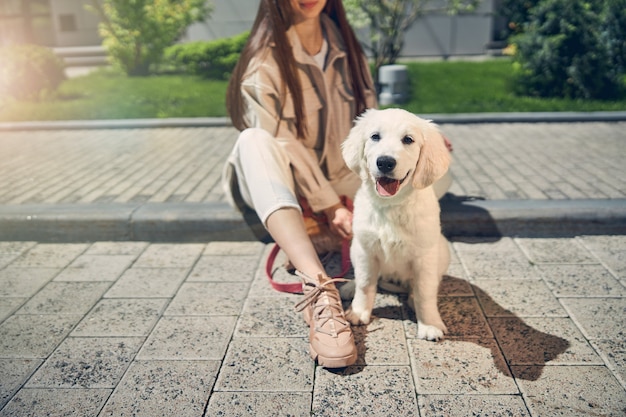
x=254, y=138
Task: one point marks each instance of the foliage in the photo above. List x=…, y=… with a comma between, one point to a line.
x=388, y=20
x=29, y=72
x=136, y=32
x=215, y=59
x=516, y=13
x=614, y=33
x=561, y=52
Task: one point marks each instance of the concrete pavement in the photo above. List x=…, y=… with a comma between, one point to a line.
x=127, y=287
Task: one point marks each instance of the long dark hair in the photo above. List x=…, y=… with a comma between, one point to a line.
x=272, y=21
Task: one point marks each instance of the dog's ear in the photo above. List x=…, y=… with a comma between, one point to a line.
x=434, y=159
x=353, y=148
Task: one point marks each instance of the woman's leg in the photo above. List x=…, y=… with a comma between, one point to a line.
x=265, y=183
x=287, y=228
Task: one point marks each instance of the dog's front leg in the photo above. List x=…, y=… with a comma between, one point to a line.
x=430, y=326
x=366, y=274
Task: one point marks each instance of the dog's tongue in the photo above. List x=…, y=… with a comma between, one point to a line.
x=387, y=187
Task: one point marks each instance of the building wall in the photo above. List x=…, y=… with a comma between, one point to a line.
x=432, y=35
x=74, y=25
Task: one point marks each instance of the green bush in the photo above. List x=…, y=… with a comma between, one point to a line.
x=614, y=33
x=29, y=72
x=212, y=60
x=561, y=52
x=135, y=33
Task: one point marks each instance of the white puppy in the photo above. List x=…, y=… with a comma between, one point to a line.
x=397, y=231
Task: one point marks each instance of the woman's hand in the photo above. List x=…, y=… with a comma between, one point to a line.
x=339, y=220
x=447, y=142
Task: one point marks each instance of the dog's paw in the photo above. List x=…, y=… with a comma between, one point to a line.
x=358, y=319
x=429, y=332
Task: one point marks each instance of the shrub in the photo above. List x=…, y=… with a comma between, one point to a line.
x=135, y=33
x=516, y=13
x=614, y=33
x=561, y=53
x=29, y=72
x=215, y=59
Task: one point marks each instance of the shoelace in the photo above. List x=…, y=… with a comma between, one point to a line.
x=331, y=310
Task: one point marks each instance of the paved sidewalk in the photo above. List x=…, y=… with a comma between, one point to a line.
x=80, y=184
x=129, y=287
x=133, y=328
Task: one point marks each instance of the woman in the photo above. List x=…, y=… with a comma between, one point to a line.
x=301, y=80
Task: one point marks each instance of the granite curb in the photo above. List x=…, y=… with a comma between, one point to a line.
x=202, y=222
x=456, y=118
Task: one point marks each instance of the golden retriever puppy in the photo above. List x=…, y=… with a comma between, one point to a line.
x=396, y=226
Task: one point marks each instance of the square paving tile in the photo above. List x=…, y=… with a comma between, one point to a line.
x=267, y=364
x=56, y=402
x=15, y=247
x=554, y=250
x=571, y=390
x=457, y=270
x=614, y=353
x=163, y=388
x=600, y=318
x=180, y=337
x=523, y=298
x=50, y=255
x=504, y=269
x=14, y=373
x=261, y=286
x=253, y=404
x=121, y=317
x=34, y=336
x=539, y=341
x=611, y=250
x=96, y=268
x=382, y=342
x=9, y=305
x=366, y=391
x=463, y=317
x=208, y=298
x=86, y=363
x=169, y=255
x=116, y=248
x=24, y=282
x=453, y=286
x=224, y=268
x=234, y=248
x=480, y=405
x=271, y=317
x=568, y=280
x=460, y=367
x=148, y=283
x=65, y=298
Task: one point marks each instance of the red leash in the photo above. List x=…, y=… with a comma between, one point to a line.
x=296, y=287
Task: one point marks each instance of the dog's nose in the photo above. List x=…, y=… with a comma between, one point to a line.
x=385, y=164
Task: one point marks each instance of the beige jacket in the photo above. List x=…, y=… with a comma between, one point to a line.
x=329, y=107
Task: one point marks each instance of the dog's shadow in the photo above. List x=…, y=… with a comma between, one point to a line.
x=515, y=341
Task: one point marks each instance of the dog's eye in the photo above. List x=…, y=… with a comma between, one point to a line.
x=407, y=140
x=375, y=137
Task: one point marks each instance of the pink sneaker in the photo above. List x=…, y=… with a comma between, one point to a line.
x=331, y=341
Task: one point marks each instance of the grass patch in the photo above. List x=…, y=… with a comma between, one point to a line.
x=106, y=94
x=477, y=87
x=436, y=87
